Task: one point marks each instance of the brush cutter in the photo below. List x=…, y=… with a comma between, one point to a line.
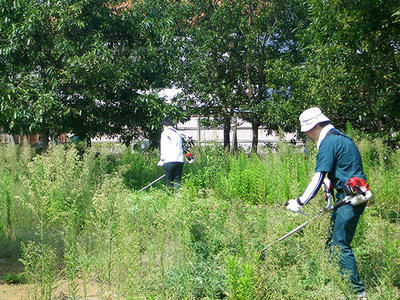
x=153, y=182
x=330, y=207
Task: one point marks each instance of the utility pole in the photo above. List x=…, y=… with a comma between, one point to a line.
x=198, y=131
x=235, y=126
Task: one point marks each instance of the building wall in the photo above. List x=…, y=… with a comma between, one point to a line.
x=244, y=133
x=33, y=139
x=4, y=137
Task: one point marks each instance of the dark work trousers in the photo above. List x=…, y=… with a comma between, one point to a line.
x=173, y=174
x=342, y=228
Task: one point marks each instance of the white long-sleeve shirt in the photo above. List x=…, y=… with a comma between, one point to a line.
x=312, y=188
x=171, y=146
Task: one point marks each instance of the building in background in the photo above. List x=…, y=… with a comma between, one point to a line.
x=241, y=131
x=33, y=140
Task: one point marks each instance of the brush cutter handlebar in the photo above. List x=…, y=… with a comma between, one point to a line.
x=327, y=186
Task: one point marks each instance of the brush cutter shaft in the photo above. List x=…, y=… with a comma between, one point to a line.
x=153, y=182
x=294, y=231
x=338, y=204
x=297, y=229
x=328, y=197
x=321, y=212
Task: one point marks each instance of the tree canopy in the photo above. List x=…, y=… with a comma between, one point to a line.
x=352, y=51
x=83, y=67
x=94, y=67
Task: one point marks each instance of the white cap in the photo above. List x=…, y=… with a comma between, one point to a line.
x=311, y=117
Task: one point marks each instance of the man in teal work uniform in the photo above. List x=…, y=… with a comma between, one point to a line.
x=339, y=158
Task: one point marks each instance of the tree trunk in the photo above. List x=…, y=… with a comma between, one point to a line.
x=45, y=139
x=254, y=142
x=227, y=131
x=88, y=142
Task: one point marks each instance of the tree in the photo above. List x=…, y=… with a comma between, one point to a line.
x=268, y=36
x=88, y=67
x=27, y=94
x=226, y=46
x=206, y=73
x=352, y=70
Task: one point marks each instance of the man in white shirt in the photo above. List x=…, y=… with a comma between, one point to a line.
x=171, y=154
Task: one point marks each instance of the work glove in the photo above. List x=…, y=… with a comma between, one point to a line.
x=189, y=157
x=160, y=163
x=293, y=206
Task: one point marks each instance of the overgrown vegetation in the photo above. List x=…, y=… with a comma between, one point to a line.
x=80, y=218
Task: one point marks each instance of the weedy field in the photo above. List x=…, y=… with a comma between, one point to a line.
x=78, y=218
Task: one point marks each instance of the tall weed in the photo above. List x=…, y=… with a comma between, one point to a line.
x=139, y=168
x=207, y=173
x=240, y=277
x=41, y=269
x=270, y=179
x=381, y=167
x=13, y=166
x=79, y=212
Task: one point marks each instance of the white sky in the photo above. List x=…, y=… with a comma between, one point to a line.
x=169, y=93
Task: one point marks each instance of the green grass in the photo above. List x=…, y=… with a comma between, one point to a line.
x=81, y=215
x=14, y=278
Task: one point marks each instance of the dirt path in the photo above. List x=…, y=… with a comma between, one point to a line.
x=12, y=292
x=20, y=291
